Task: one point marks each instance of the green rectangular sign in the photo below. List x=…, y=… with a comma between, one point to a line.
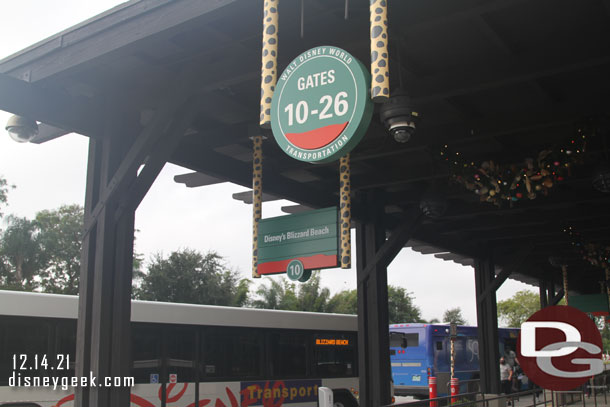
x=593, y=303
x=311, y=237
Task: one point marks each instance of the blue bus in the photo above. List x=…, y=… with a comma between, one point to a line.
x=418, y=351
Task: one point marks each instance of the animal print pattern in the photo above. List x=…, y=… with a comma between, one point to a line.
x=380, y=66
x=257, y=198
x=269, y=61
x=345, y=211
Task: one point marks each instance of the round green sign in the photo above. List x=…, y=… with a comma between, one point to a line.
x=295, y=269
x=321, y=107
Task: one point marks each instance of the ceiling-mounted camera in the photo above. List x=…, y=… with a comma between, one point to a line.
x=21, y=129
x=399, y=116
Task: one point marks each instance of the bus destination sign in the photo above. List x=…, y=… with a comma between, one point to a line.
x=296, y=244
x=321, y=107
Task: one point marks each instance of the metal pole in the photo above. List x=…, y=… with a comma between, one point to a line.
x=380, y=61
x=345, y=212
x=584, y=403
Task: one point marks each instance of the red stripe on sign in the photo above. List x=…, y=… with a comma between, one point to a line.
x=319, y=261
x=317, y=138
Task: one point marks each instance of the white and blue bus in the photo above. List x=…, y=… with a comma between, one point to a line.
x=185, y=355
x=418, y=351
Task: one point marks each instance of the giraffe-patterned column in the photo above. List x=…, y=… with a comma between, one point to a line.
x=257, y=198
x=345, y=212
x=380, y=62
x=269, y=62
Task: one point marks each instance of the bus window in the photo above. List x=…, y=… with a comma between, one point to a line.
x=439, y=345
x=244, y=353
x=335, y=355
x=24, y=339
x=146, y=352
x=403, y=340
x=212, y=354
x=65, y=344
x=180, y=353
x=288, y=354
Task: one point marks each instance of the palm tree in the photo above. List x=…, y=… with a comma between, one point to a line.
x=20, y=252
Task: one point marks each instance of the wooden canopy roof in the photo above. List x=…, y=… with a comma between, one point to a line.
x=496, y=79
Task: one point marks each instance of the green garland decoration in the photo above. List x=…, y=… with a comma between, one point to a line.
x=500, y=183
x=598, y=255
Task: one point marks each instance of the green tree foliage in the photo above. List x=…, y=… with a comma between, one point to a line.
x=20, y=255
x=276, y=294
x=286, y=295
x=310, y=296
x=191, y=277
x=344, y=302
x=4, y=188
x=60, y=233
x=517, y=309
x=44, y=253
x=400, y=306
x=454, y=315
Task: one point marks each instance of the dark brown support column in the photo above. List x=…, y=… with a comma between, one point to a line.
x=83, y=330
x=111, y=276
x=373, y=336
x=120, y=362
x=544, y=300
x=114, y=191
x=487, y=321
x=550, y=290
x=374, y=254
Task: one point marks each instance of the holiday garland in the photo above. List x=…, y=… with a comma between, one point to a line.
x=508, y=183
x=597, y=255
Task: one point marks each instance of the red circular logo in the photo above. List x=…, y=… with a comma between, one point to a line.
x=559, y=348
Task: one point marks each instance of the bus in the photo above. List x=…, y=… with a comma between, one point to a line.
x=418, y=351
x=184, y=355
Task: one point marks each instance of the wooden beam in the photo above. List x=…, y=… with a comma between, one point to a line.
x=557, y=297
x=487, y=326
x=145, y=143
x=477, y=79
x=196, y=179
x=105, y=34
x=156, y=159
x=238, y=172
x=75, y=114
x=394, y=244
x=373, y=335
x=246, y=197
x=85, y=298
x=499, y=279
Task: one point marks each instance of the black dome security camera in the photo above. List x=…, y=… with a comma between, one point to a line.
x=399, y=116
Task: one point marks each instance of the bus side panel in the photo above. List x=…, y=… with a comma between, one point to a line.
x=43, y=396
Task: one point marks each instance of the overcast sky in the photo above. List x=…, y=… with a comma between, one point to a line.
x=172, y=216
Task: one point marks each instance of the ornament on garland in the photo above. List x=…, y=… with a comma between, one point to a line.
x=597, y=255
x=508, y=183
